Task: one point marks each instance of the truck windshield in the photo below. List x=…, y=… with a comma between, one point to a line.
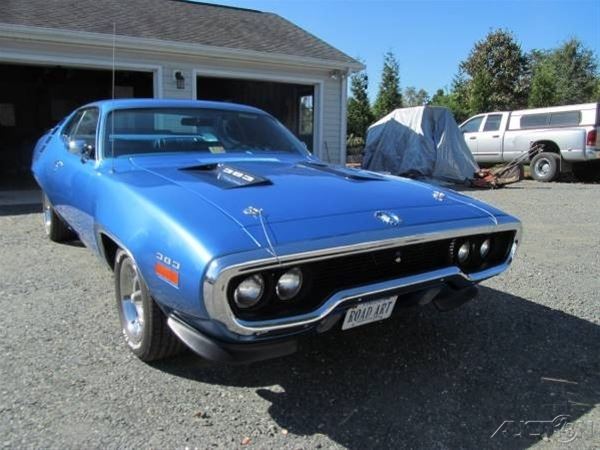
x=177, y=130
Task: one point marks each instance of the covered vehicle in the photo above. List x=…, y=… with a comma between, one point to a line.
x=224, y=233
x=423, y=141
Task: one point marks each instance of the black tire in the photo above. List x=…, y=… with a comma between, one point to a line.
x=545, y=167
x=588, y=172
x=150, y=338
x=55, y=227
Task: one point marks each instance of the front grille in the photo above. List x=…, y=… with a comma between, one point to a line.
x=326, y=277
x=341, y=273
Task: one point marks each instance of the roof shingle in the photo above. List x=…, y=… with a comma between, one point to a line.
x=174, y=20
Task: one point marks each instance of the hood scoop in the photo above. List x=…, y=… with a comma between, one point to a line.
x=227, y=176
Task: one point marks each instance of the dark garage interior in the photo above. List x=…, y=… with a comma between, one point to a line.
x=34, y=98
x=291, y=104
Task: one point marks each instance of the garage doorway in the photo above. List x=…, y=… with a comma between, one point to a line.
x=34, y=98
x=291, y=104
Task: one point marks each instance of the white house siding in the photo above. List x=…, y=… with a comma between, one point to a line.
x=329, y=111
x=332, y=117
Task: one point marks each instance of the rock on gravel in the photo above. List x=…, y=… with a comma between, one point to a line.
x=526, y=350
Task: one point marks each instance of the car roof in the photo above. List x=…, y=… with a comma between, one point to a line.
x=109, y=105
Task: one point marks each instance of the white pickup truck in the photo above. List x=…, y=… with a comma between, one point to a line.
x=568, y=135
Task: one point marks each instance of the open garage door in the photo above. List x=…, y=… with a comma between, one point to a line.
x=291, y=104
x=34, y=98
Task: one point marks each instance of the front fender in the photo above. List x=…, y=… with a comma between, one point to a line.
x=168, y=224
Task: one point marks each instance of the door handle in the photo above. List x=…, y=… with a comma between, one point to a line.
x=58, y=164
x=472, y=138
x=496, y=136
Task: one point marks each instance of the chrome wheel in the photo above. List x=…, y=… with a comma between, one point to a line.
x=143, y=323
x=542, y=168
x=47, y=216
x=55, y=228
x=132, y=305
x=545, y=166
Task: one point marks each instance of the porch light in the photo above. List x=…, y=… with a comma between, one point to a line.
x=179, y=80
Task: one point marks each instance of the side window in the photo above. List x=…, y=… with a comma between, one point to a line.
x=493, y=122
x=86, y=130
x=567, y=118
x=472, y=126
x=83, y=129
x=535, y=120
x=71, y=126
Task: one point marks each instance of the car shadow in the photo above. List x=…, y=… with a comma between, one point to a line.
x=501, y=371
x=510, y=187
x=74, y=243
x=17, y=210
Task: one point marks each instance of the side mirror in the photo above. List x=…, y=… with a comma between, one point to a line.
x=85, y=150
x=76, y=146
x=87, y=153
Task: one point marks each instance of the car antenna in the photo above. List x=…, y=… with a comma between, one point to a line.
x=258, y=213
x=112, y=114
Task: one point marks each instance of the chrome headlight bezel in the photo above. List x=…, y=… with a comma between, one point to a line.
x=294, y=279
x=485, y=248
x=254, y=285
x=464, y=252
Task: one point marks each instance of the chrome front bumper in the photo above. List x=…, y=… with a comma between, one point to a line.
x=221, y=271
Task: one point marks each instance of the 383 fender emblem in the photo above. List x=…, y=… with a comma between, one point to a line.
x=167, y=269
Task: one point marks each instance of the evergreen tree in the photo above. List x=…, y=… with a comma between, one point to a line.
x=360, y=115
x=439, y=98
x=450, y=100
x=456, y=99
x=414, y=97
x=543, y=91
x=389, y=96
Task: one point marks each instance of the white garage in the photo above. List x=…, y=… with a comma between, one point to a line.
x=57, y=55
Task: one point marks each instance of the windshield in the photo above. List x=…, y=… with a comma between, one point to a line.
x=177, y=130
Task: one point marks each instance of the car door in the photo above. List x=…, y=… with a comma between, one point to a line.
x=76, y=175
x=489, y=139
x=53, y=173
x=470, y=131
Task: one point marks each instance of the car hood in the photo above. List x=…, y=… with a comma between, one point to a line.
x=307, y=200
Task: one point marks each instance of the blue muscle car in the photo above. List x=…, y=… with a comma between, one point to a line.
x=225, y=234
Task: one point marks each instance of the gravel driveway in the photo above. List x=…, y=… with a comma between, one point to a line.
x=527, y=350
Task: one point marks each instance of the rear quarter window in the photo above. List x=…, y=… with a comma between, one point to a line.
x=535, y=120
x=566, y=118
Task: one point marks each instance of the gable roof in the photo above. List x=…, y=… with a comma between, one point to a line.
x=177, y=21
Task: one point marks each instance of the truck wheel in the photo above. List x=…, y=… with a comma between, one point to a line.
x=143, y=323
x=545, y=166
x=56, y=229
x=587, y=172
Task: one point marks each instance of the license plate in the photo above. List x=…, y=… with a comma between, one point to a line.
x=369, y=312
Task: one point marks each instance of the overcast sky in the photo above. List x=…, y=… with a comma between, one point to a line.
x=430, y=37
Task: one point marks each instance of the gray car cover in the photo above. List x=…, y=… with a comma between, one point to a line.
x=422, y=141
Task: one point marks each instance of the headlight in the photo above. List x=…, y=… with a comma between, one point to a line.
x=485, y=247
x=249, y=292
x=289, y=284
x=463, y=252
